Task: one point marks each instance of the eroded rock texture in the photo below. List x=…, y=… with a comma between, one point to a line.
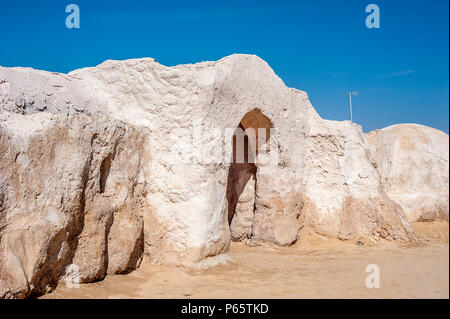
x=71, y=195
x=103, y=164
x=412, y=161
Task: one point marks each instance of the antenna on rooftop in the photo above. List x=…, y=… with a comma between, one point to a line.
x=349, y=94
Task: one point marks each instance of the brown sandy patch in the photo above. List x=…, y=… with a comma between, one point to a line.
x=315, y=267
x=431, y=231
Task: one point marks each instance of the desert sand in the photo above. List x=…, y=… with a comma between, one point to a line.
x=315, y=267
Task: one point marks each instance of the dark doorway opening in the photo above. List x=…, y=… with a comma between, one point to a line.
x=245, y=149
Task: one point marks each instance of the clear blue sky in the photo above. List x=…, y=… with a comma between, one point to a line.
x=323, y=47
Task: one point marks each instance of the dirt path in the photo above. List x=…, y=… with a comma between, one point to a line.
x=315, y=268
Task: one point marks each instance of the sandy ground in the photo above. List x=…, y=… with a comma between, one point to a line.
x=316, y=267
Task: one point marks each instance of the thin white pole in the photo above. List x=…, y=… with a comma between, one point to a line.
x=350, y=102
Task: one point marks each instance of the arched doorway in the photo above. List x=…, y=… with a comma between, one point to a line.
x=252, y=132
